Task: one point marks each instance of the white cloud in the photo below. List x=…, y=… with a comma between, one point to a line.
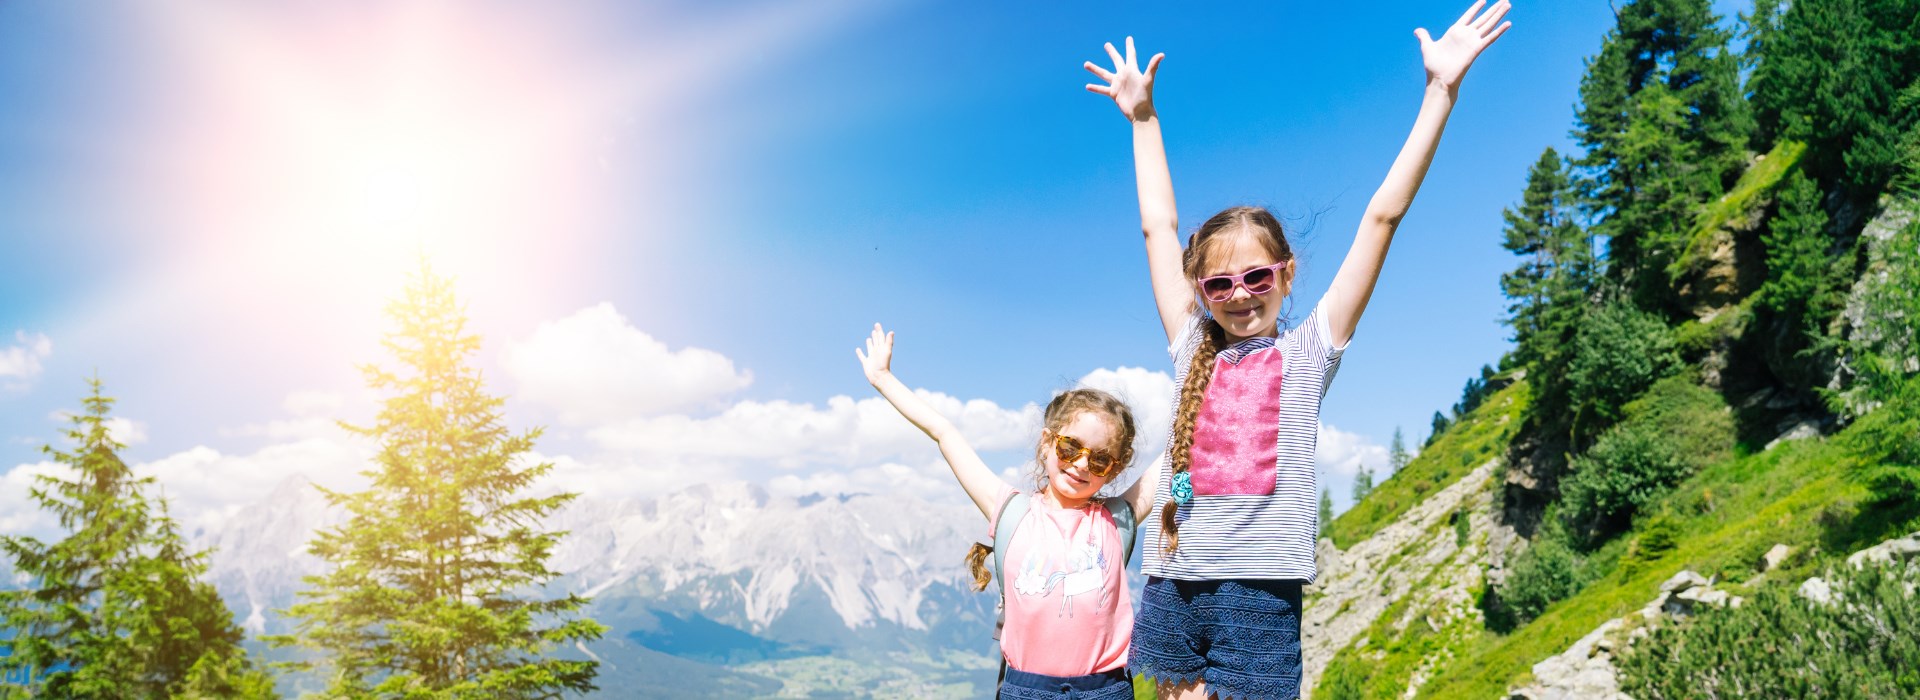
x=1343, y=453
x=126, y=431
x=21, y=361
x=848, y=445
x=315, y=416
x=1339, y=459
x=845, y=431
x=120, y=429
x=19, y=515
x=204, y=487
x=623, y=476
x=932, y=482
x=594, y=366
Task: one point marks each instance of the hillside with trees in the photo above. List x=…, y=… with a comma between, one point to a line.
x=1714, y=371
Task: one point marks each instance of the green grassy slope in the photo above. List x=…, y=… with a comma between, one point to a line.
x=1477, y=437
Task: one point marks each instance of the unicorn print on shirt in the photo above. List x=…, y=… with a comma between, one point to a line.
x=1083, y=572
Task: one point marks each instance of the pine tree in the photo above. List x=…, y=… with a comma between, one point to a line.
x=1665, y=128
x=1554, y=275
x=1805, y=285
x=1438, y=427
x=117, y=609
x=433, y=590
x=1326, y=510
x=1362, y=484
x=1397, y=455
x=1830, y=74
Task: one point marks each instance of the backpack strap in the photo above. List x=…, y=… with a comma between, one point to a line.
x=1123, y=521
x=1012, y=511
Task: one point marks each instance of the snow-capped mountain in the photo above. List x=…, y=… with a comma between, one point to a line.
x=723, y=572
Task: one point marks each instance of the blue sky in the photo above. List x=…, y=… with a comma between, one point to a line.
x=208, y=205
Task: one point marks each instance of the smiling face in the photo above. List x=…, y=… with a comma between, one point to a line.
x=1069, y=484
x=1244, y=314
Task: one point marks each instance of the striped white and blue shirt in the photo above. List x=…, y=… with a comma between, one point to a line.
x=1233, y=527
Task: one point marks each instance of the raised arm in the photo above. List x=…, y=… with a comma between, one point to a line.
x=979, y=481
x=1447, y=60
x=1140, y=495
x=1132, y=91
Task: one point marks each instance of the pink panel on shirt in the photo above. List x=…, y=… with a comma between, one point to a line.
x=1236, y=436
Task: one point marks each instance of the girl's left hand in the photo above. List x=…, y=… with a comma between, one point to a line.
x=1448, y=58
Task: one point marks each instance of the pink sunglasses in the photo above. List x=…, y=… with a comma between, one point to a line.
x=1257, y=281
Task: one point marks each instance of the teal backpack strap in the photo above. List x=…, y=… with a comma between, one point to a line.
x=1123, y=522
x=1012, y=511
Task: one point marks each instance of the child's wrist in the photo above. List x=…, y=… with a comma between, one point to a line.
x=1143, y=114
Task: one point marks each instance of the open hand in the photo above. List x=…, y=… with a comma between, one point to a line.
x=1448, y=57
x=879, y=354
x=1130, y=88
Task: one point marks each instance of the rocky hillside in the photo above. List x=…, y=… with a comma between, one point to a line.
x=1471, y=574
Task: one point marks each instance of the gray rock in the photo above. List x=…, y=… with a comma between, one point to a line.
x=1817, y=590
x=1682, y=581
x=1705, y=596
x=1775, y=557
x=1800, y=431
x=1584, y=670
x=1356, y=586
x=1897, y=550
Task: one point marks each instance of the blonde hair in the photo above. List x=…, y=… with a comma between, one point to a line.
x=1061, y=411
x=1264, y=229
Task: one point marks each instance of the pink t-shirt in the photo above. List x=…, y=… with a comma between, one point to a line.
x=1068, y=609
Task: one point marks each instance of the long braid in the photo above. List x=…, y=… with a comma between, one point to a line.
x=1199, y=375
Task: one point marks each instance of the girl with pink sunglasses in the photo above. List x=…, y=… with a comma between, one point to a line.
x=1238, y=517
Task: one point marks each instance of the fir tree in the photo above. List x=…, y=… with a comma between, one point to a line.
x=433, y=590
x=1665, y=128
x=117, y=608
x=1830, y=74
x=1362, y=484
x=1806, y=285
x=1546, y=289
x=1326, y=510
x=1439, y=426
x=1397, y=455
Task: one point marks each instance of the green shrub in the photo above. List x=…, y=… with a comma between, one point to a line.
x=1779, y=645
x=1673, y=431
x=1342, y=681
x=1657, y=537
x=1628, y=468
x=1618, y=352
x=1886, y=393
x=1887, y=441
x=1543, y=574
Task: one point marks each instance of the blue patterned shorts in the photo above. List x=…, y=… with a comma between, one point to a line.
x=1240, y=636
x=1111, y=685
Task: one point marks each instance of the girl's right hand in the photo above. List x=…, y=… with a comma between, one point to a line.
x=1130, y=88
x=878, y=356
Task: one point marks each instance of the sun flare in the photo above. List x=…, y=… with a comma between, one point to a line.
x=356, y=144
